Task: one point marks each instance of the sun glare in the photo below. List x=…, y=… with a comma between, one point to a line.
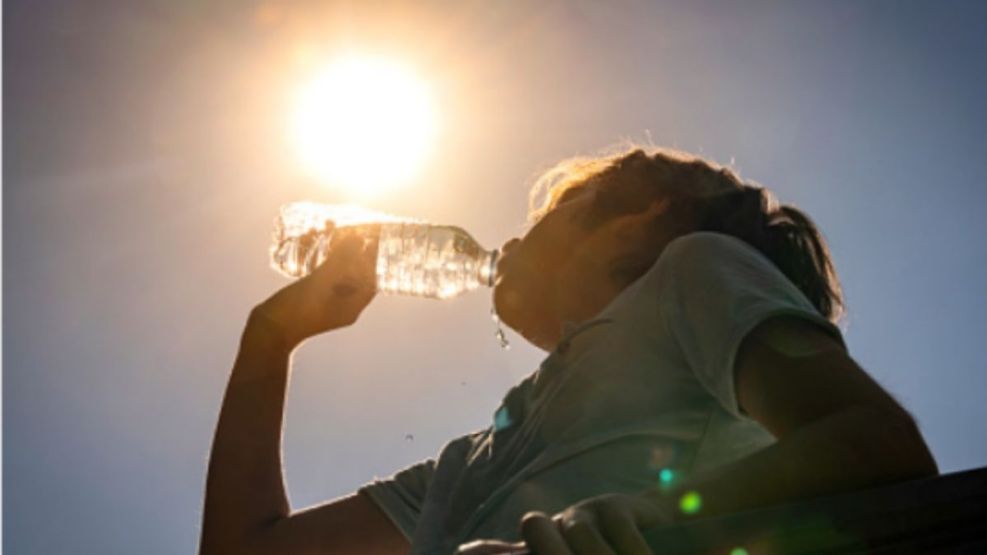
x=364, y=124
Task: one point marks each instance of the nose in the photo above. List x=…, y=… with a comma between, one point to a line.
x=509, y=245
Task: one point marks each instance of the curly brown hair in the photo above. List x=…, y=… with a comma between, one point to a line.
x=704, y=197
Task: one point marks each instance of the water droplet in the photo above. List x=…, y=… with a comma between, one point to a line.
x=499, y=334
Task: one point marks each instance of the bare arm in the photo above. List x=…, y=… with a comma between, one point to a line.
x=244, y=487
x=837, y=431
x=246, y=506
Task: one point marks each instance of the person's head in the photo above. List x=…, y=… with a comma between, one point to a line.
x=604, y=221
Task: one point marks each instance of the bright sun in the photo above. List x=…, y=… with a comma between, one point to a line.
x=364, y=124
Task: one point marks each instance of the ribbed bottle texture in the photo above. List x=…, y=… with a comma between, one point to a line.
x=436, y=261
x=413, y=257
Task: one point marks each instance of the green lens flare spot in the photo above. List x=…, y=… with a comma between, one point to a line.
x=738, y=551
x=690, y=503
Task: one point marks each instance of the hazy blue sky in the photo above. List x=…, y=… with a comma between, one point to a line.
x=145, y=157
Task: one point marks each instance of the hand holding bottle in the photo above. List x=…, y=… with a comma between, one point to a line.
x=333, y=295
x=415, y=257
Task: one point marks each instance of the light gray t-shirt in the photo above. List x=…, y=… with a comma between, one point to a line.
x=646, y=385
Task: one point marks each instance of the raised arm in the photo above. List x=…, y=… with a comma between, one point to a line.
x=246, y=506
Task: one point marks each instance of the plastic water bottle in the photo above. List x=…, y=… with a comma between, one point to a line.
x=413, y=257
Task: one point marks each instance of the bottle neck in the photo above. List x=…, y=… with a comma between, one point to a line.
x=488, y=268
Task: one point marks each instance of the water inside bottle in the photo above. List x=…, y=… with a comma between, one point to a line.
x=303, y=230
x=413, y=257
x=435, y=261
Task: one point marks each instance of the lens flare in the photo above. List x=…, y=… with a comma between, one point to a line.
x=690, y=503
x=665, y=477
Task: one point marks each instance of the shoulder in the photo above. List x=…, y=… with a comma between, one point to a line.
x=698, y=243
x=708, y=271
x=703, y=253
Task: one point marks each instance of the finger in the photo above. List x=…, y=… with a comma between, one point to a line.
x=373, y=237
x=350, y=262
x=582, y=536
x=369, y=255
x=623, y=534
x=356, y=251
x=345, y=241
x=337, y=270
x=622, y=524
x=543, y=536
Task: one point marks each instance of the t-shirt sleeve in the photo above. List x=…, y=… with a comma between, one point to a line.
x=402, y=495
x=713, y=290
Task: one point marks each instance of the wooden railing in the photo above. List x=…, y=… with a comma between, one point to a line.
x=946, y=514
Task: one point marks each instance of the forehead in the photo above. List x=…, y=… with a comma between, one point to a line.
x=569, y=194
x=573, y=192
